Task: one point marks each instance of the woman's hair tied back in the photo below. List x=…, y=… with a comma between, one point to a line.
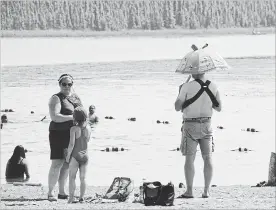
x=65, y=76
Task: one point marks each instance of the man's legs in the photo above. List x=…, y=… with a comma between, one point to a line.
x=208, y=173
x=206, y=146
x=188, y=148
x=189, y=170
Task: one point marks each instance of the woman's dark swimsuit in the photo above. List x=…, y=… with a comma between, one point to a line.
x=59, y=133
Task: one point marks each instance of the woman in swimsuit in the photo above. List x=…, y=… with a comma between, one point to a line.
x=61, y=107
x=77, y=156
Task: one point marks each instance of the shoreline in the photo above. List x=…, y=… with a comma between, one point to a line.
x=164, y=33
x=273, y=57
x=222, y=197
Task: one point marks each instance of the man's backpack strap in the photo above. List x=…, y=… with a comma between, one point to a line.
x=193, y=99
x=211, y=95
x=204, y=87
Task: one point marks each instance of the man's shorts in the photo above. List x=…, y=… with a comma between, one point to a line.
x=196, y=132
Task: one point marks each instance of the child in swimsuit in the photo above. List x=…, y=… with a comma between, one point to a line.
x=77, y=155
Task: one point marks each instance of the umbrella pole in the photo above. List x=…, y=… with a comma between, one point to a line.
x=188, y=79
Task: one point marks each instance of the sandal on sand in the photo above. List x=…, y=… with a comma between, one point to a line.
x=185, y=196
x=205, y=196
x=72, y=200
x=62, y=196
x=51, y=198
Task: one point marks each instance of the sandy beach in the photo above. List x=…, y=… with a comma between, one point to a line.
x=230, y=197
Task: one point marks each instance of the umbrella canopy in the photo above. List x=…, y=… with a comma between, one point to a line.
x=200, y=61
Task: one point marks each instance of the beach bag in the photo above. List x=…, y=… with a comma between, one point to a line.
x=151, y=192
x=166, y=197
x=154, y=193
x=120, y=189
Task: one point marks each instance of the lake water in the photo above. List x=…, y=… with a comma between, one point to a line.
x=134, y=77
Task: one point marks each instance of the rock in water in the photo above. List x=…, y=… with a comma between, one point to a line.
x=272, y=170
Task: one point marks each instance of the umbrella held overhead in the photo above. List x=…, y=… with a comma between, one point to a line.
x=201, y=61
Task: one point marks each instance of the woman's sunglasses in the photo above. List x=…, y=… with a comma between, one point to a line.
x=66, y=84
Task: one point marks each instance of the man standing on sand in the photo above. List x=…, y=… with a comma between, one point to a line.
x=197, y=99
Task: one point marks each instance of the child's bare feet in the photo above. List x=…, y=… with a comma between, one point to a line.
x=205, y=194
x=72, y=199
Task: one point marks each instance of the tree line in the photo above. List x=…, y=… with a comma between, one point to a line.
x=116, y=15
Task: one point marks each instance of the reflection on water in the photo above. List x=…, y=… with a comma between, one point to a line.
x=145, y=90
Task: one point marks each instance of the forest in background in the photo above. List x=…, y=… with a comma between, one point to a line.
x=117, y=15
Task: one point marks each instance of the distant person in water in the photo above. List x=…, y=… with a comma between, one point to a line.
x=241, y=149
x=77, y=156
x=17, y=166
x=92, y=116
x=4, y=118
x=61, y=108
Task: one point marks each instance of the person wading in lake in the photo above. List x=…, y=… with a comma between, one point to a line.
x=93, y=118
x=196, y=129
x=197, y=99
x=61, y=108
